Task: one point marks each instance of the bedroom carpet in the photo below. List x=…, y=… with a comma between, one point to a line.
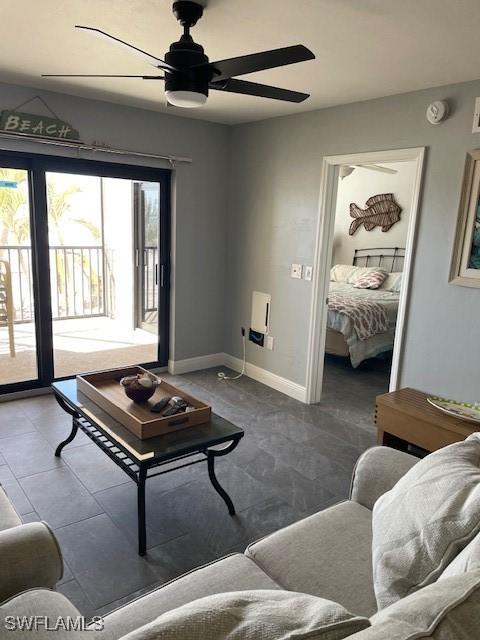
x=294, y=460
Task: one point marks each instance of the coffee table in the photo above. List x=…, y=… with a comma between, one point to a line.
x=143, y=459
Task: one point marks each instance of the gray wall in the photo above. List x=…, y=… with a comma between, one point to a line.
x=200, y=198
x=274, y=191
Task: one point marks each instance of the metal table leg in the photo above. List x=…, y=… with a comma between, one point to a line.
x=211, y=455
x=74, y=430
x=142, y=529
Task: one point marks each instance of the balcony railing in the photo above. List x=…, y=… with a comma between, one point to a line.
x=77, y=281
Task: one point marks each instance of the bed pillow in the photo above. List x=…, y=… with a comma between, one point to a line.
x=252, y=615
x=423, y=523
x=393, y=282
x=342, y=272
x=372, y=280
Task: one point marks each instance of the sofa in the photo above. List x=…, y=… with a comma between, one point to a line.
x=327, y=554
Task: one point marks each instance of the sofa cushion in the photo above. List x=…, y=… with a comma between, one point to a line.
x=421, y=524
x=326, y=555
x=8, y=516
x=54, y=613
x=253, y=615
x=233, y=573
x=446, y=610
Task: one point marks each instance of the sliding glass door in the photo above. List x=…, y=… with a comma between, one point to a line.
x=97, y=292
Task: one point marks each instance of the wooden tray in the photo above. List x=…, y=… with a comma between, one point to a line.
x=104, y=388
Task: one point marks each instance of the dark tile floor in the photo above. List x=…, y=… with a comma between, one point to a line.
x=294, y=460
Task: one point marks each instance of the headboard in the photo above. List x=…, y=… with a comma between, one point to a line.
x=390, y=258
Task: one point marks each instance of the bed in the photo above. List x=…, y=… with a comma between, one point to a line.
x=342, y=335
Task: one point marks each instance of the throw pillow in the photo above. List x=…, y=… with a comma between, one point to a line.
x=467, y=560
x=359, y=272
x=428, y=517
x=254, y=615
x=372, y=280
x=446, y=610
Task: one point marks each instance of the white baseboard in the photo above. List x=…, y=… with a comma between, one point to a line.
x=177, y=367
x=289, y=388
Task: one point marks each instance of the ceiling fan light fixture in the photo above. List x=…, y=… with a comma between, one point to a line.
x=186, y=99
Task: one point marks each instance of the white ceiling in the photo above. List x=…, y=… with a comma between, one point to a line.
x=364, y=48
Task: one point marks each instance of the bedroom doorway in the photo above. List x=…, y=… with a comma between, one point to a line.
x=364, y=251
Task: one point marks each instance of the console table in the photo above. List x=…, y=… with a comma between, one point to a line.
x=405, y=418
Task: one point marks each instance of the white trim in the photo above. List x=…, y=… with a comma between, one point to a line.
x=177, y=367
x=173, y=266
x=323, y=256
x=268, y=378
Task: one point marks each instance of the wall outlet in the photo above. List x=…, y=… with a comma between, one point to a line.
x=308, y=273
x=256, y=337
x=296, y=271
x=269, y=343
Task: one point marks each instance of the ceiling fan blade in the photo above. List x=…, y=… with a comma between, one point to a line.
x=376, y=167
x=261, y=90
x=260, y=61
x=156, y=62
x=89, y=75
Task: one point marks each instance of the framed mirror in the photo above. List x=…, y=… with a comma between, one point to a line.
x=465, y=267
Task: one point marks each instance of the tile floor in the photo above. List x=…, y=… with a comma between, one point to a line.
x=294, y=460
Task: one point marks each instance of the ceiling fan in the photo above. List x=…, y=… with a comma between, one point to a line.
x=188, y=73
x=347, y=170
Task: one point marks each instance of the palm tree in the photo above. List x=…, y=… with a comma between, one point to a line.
x=59, y=213
x=59, y=208
x=15, y=224
x=13, y=210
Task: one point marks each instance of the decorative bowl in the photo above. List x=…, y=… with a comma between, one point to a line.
x=139, y=388
x=462, y=410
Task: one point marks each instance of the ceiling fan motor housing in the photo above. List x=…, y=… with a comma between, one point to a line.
x=186, y=54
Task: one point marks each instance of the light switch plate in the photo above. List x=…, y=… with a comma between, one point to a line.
x=476, y=117
x=269, y=343
x=296, y=271
x=308, y=273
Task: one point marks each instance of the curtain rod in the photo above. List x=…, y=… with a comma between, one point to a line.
x=83, y=146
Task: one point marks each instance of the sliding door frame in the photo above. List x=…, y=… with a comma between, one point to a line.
x=37, y=165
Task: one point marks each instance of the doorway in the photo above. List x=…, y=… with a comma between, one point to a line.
x=75, y=296
x=346, y=245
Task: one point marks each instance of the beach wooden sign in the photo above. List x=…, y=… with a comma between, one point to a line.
x=18, y=122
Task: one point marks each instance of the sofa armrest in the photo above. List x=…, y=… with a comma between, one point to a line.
x=29, y=557
x=377, y=470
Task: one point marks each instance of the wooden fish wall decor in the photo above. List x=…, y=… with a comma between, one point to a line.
x=382, y=211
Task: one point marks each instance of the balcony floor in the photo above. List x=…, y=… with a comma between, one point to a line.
x=80, y=345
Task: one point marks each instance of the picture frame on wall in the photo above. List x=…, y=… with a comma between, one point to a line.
x=465, y=267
